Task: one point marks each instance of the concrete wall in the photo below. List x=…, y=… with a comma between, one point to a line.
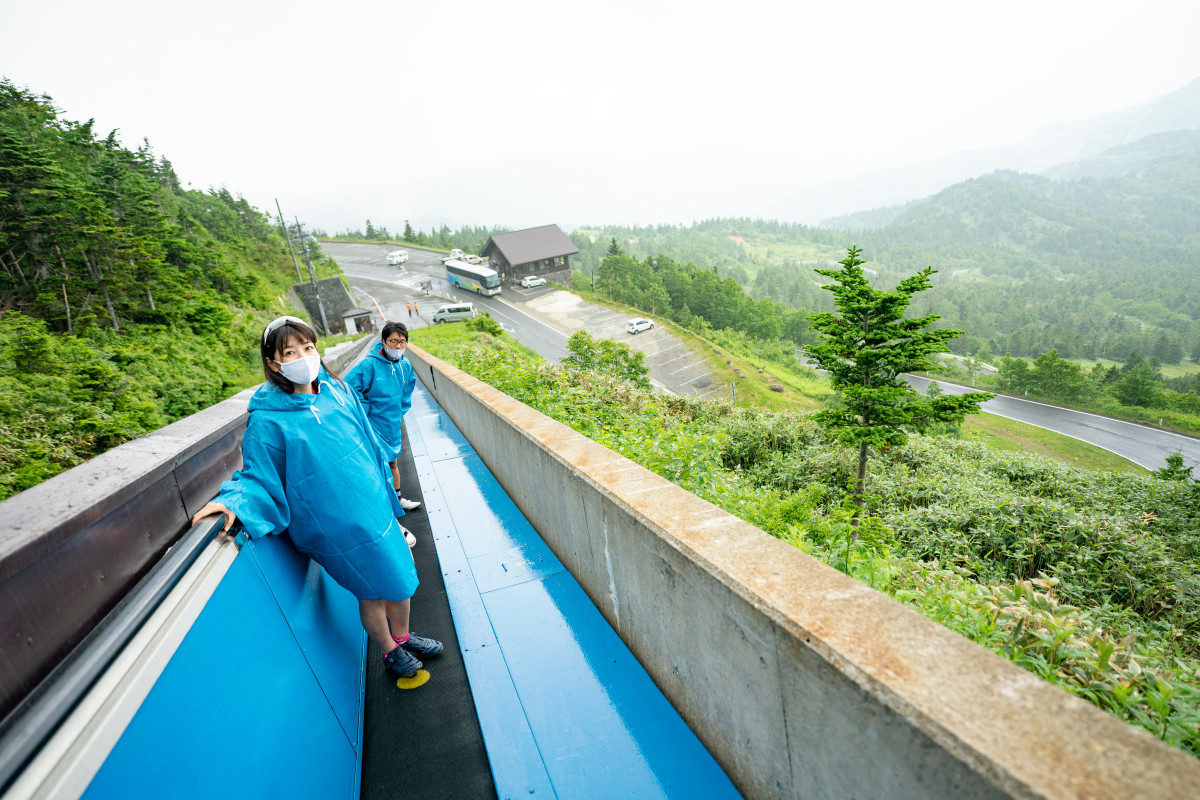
x=802, y=682
x=333, y=295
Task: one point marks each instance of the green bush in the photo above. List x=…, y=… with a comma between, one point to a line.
x=1090, y=580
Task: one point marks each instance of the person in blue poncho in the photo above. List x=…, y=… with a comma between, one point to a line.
x=313, y=466
x=384, y=381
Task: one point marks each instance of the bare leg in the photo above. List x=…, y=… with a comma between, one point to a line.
x=374, y=616
x=397, y=612
x=395, y=465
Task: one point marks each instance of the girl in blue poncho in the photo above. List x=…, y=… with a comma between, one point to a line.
x=312, y=465
x=384, y=381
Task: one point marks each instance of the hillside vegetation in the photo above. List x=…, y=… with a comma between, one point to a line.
x=1090, y=580
x=126, y=301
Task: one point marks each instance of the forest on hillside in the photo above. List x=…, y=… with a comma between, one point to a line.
x=1090, y=267
x=1102, y=262
x=126, y=301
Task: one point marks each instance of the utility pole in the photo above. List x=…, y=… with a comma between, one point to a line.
x=312, y=277
x=288, y=239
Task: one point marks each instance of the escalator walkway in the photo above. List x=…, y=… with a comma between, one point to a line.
x=423, y=742
x=557, y=705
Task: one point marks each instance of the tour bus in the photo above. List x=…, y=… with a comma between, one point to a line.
x=479, y=278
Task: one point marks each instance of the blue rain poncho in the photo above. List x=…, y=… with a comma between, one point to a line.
x=385, y=388
x=312, y=465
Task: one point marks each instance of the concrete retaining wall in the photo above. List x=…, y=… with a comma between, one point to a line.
x=802, y=682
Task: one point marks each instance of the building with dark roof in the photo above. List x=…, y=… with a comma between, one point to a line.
x=544, y=251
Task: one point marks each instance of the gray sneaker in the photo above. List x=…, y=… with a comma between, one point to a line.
x=401, y=663
x=425, y=648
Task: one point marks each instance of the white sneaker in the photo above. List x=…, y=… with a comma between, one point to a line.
x=408, y=536
x=409, y=505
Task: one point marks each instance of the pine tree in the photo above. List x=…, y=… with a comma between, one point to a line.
x=868, y=346
x=614, y=249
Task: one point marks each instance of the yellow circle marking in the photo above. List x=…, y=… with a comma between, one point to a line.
x=420, y=679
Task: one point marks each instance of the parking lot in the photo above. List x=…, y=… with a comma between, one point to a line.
x=673, y=364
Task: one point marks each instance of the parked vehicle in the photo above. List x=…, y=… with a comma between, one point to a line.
x=454, y=313
x=473, y=259
x=533, y=281
x=636, y=326
x=480, y=279
x=397, y=257
x=455, y=255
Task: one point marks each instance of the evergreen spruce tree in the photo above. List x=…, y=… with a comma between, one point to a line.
x=868, y=345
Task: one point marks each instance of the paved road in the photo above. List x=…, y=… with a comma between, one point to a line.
x=1141, y=444
x=386, y=290
x=541, y=318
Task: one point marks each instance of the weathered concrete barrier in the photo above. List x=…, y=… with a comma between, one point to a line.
x=802, y=682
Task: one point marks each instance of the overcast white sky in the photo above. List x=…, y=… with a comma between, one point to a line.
x=523, y=113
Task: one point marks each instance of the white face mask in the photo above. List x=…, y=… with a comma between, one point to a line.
x=394, y=353
x=302, y=370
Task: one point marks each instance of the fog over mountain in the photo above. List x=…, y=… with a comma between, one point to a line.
x=1055, y=144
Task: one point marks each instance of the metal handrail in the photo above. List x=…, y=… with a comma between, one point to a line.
x=34, y=720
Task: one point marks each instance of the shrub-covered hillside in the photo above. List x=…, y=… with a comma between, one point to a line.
x=1091, y=580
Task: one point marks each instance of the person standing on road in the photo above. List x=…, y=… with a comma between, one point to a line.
x=384, y=381
x=409, y=307
x=313, y=466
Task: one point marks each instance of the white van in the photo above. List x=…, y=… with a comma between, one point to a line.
x=397, y=257
x=454, y=313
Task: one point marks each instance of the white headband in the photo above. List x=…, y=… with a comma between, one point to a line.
x=275, y=323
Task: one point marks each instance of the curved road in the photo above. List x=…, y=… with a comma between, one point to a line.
x=389, y=288
x=1142, y=444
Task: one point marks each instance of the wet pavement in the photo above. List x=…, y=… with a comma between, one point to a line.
x=674, y=365
x=525, y=313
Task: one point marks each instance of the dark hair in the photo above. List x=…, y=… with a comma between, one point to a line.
x=393, y=327
x=281, y=337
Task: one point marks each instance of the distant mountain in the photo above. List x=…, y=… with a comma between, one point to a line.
x=1056, y=144
x=874, y=219
x=1136, y=225
x=1089, y=266
x=1127, y=158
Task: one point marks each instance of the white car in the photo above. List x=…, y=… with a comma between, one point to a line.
x=533, y=281
x=636, y=326
x=397, y=257
x=454, y=313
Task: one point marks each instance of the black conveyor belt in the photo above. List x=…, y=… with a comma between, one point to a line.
x=425, y=742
